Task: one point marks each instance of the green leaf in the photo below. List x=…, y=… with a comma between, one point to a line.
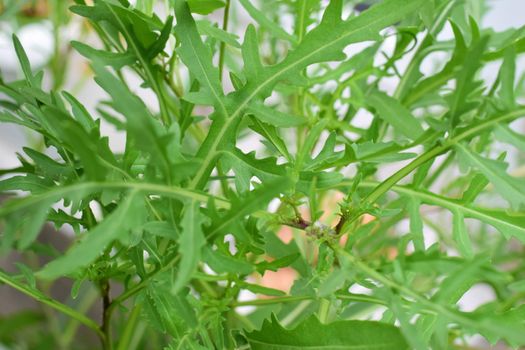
x=80, y=112
x=416, y=224
x=326, y=41
x=461, y=236
x=394, y=113
x=205, y=7
x=168, y=312
x=128, y=215
x=412, y=335
x=116, y=60
x=274, y=117
x=94, y=153
x=144, y=131
x=24, y=61
x=507, y=75
x=383, y=152
x=277, y=263
x=510, y=188
x=459, y=100
x=224, y=263
x=140, y=34
x=249, y=203
x=506, y=134
x=311, y=334
x=265, y=23
x=191, y=241
x=198, y=59
x=323, y=43
x=478, y=184
x=211, y=30
x=258, y=289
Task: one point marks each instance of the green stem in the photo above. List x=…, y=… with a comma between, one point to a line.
x=222, y=47
x=382, y=188
x=129, y=329
x=71, y=328
x=44, y=299
x=324, y=310
x=106, y=315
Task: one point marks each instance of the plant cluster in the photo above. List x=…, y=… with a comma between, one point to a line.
x=174, y=230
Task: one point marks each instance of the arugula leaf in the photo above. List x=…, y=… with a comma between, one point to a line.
x=512, y=189
x=396, y=114
x=191, y=241
x=311, y=334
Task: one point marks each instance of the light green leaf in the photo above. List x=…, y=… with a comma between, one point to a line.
x=510, y=188
x=416, y=224
x=506, y=134
x=272, y=116
x=412, y=335
x=394, y=113
x=209, y=29
x=144, y=132
x=24, y=61
x=258, y=289
x=191, y=241
x=80, y=112
x=507, y=75
x=265, y=23
x=461, y=236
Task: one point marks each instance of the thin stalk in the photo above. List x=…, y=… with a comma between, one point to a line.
x=324, y=310
x=106, y=315
x=129, y=329
x=71, y=328
x=222, y=47
x=44, y=299
x=434, y=152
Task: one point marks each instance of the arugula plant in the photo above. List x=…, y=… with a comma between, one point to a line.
x=392, y=222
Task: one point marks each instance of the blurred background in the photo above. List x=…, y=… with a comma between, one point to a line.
x=45, y=29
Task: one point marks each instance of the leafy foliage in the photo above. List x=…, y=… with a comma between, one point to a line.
x=172, y=231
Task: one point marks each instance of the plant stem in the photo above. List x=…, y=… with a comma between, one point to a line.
x=128, y=332
x=386, y=185
x=70, y=330
x=222, y=48
x=44, y=299
x=324, y=310
x=106, y=315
